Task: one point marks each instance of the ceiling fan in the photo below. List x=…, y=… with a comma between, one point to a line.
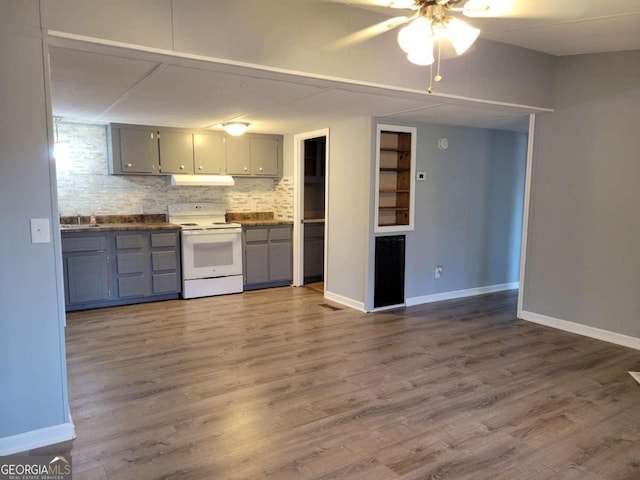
x=430, y=29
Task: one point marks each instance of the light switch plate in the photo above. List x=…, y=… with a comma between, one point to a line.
x=40, y=230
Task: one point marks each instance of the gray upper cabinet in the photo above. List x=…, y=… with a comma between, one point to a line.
x=167, y=151
x=176, y=152
x=238, y=156
x=209, y=154
x=264, y=155
x=254, y=155
x=135, y=150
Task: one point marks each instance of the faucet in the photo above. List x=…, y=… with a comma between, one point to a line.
x=78, y=218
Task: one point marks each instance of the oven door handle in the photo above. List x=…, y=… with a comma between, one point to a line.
x=212, y=231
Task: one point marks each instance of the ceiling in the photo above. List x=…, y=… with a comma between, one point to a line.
x=555, y=27
x=111, y=85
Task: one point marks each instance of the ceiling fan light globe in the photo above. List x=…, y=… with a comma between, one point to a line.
x=460, y=34
x=415, y=35
x=421, y=57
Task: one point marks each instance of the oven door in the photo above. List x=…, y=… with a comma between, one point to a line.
x=211, y=253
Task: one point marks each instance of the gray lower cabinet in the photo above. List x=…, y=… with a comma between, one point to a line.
x=268, y=256
x=120, y=267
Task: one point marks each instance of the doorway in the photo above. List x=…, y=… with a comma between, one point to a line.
x=310, y=216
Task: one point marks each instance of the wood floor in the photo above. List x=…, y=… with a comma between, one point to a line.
x=280, y=384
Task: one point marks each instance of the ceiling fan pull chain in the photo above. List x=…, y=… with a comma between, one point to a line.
x=430, y=89
x=438, y=77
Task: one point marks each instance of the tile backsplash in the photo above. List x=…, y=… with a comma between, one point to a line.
x=86, y=188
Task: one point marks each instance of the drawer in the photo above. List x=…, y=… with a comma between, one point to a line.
x=257, y=234
x=280, y=233
x=129, y=241
x=131, y=286
x=163, y=260
x=164, y=239
x=130, y=263
x=165, y=283
x=76, y=243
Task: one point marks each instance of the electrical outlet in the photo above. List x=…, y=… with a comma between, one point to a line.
x=438, y=271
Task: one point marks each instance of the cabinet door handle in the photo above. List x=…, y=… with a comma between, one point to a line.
x=260, y=168
x=246, y=168
x=129, y=165
x=181, y=167
x=200, y=167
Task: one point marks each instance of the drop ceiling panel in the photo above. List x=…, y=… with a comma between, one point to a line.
x=85, y=84
x=456, y=115
x=192, y=97
x=587, y=36
x=334, y=106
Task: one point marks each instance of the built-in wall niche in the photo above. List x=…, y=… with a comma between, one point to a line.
x=395, y=182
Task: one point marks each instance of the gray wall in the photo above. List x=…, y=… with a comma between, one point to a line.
x=582, y=262
x=300, y=36
x=468, y=213
x=32, y=357
x=349, y=182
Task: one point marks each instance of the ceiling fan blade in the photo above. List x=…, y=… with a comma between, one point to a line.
x=521, y=8
x=369, y=32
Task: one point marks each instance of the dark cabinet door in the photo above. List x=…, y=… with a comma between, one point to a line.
x=389, y=271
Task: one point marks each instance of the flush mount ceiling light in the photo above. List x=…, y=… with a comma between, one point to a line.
x=422, y=38
x=235, y=128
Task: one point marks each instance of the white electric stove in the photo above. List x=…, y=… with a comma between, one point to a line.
x=211, y=250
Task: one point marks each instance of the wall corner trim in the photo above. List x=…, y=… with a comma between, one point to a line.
x=347, y=302
x=43, y=437
x=585, y=330
x=438, y=297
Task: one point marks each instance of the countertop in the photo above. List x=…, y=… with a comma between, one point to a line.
x=256, y=219
x=263, y=222
x=105, y=223
x=107, y=227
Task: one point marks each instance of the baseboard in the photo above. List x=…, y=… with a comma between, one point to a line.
x=42, y=437
x=388, y=307
x=585, y=330
x=438, y=297
x=347, y=302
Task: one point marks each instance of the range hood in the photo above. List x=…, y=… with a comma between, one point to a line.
x=202, y=180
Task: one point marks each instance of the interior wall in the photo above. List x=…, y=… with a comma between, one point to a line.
x=349, y=184
x=584, y=222
x=33, y=402
x=303, y=36
x=85, y=186
x=468, y=212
